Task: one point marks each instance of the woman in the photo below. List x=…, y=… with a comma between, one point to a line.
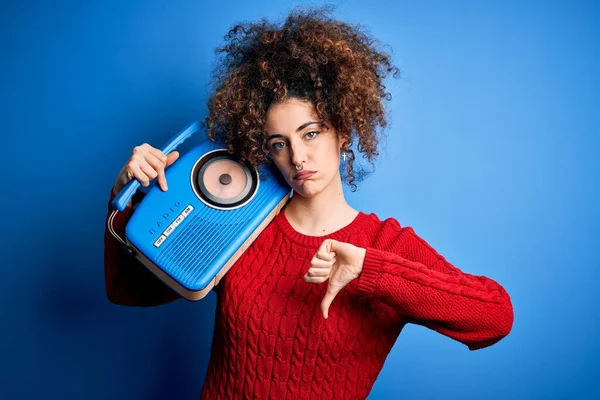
x=314, y=306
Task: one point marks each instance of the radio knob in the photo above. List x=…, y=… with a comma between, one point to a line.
x=225, y=179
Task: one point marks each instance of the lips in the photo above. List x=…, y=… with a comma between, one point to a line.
x=304, y=175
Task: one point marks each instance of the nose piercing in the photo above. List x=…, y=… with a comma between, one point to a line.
x=299, y=166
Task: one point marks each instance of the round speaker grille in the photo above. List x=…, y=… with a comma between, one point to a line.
x=223, y=182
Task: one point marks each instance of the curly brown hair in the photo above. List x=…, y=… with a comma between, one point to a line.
x=333, y=64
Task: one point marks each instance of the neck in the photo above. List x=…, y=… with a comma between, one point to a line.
x=327, y=211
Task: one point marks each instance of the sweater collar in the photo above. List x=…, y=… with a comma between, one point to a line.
x=315, y=241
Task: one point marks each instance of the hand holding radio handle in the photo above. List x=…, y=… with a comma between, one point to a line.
x=147, y=163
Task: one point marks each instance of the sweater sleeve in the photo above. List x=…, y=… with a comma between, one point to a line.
x=127, y=281
x=411, y=276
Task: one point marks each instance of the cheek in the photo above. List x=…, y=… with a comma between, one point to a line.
x=330, y=155
x=284, y=171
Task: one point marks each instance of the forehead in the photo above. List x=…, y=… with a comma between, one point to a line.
x=287, y=116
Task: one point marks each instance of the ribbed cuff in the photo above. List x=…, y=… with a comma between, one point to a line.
x=371, y=271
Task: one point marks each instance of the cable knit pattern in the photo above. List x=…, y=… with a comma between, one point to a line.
x=270, y=339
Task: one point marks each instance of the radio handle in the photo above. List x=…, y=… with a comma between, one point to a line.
x=124, y=196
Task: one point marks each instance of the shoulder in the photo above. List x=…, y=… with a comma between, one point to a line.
x=383, y=231
x=384, y=227
x=388, y=234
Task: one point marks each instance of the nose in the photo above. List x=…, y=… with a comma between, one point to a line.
x=297, y=154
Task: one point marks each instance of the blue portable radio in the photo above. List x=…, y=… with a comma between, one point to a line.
x=215, y=207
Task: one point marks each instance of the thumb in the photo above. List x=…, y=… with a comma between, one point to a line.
x=172, y=157
x=332, y=291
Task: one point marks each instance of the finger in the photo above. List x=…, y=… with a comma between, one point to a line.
x=317, y=263
x=142, y=172
x=148, y=170
x=148, y=163
x=332, y=291
x=155, y=161
x=138, y=174
x=318, y=272
x=172, y=157
x=162, y=180
x=160, y=162
x=316, y=279
x=325, y=256
x=324, y=252
x=159, y=155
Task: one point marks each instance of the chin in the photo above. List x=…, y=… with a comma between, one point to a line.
x=307, y=189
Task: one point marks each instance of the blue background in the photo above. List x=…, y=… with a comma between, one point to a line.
x=492, y=157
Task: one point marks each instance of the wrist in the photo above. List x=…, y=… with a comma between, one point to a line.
x=360, y=259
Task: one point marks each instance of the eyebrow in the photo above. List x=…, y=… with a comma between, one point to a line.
x=304, y=125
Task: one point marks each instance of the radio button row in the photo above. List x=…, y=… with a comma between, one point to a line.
x=171, y=228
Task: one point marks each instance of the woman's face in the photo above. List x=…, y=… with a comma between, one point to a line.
x=295, y=136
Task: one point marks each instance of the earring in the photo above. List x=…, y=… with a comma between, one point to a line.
x=344, y=156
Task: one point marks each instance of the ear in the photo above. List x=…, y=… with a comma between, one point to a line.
x=342, y=139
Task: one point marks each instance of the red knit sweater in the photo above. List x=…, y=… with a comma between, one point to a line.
x=271, y=340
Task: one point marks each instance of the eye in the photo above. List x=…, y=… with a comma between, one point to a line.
x=276, y=145
x=311, y=134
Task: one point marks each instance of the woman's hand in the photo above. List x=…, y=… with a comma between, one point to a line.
x=145, y=164
x=338, y=262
